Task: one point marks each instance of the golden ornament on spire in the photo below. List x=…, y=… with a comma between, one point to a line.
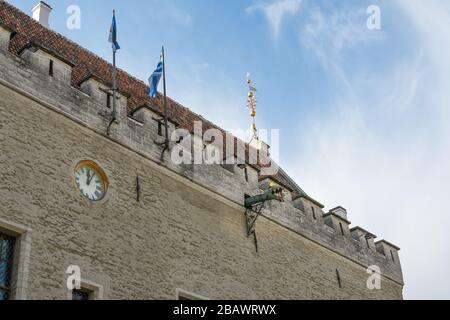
x=251, y=104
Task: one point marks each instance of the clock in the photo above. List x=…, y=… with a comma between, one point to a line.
x=91, y=180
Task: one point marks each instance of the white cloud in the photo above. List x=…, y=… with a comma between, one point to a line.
x=169, y=10
x=329, y=34
x=181, y=17
x=276, y=11
x=382, y=149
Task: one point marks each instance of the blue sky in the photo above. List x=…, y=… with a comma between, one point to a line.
x=363, y=114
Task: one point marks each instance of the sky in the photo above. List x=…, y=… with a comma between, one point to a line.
x=363, y=114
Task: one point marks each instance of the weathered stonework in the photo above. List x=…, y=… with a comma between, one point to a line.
x=188, y=230
x=5, y=34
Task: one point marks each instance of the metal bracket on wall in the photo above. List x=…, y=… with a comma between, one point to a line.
x=251, y=215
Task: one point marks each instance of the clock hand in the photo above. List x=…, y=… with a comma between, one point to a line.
x=88, y=181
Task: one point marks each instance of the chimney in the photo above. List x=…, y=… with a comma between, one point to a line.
x=41, y=13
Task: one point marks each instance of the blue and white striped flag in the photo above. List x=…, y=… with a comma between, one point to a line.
x=113, y=34
x=154, y=79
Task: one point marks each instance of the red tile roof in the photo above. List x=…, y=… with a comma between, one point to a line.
x=85, y=63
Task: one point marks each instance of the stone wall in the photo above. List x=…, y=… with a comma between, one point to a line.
x=4, y=38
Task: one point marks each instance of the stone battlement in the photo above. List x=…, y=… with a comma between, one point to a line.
x=46, y=76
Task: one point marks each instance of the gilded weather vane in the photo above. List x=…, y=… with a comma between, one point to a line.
x=251, y=104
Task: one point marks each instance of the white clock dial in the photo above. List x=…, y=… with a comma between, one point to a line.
x=90, y=181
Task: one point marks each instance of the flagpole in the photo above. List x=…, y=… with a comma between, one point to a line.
x=114, y=86
x=114, y=89
x=166, y=121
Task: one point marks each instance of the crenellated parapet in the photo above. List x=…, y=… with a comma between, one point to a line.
x=61, y=84
x=331, y=229
x=337, y=219
x=47, y=61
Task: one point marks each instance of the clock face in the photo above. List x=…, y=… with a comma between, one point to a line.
x=91, y=180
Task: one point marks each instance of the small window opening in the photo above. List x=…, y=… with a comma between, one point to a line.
x=108, y=100
x=367, y=242
x=82, y=294
x=246, y=174
x=50, y=68
x=7, y=244
x=338, y=276
x=392, y=256
x=342, y=228
x=314, y=213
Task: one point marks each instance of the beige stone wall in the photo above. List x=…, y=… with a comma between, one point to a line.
x=179, y=236
x=4, y=38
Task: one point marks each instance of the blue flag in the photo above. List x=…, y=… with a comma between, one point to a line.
x=113, y=34
x=154, y=79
